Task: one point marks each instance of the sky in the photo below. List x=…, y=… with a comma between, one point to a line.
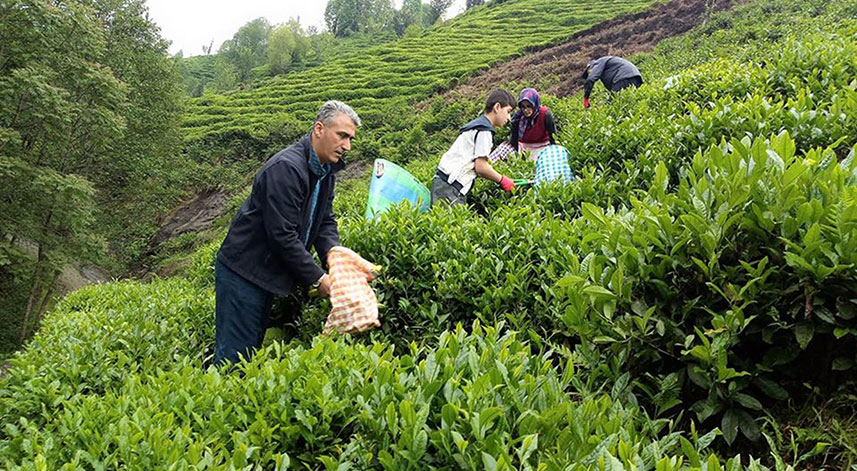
x=190, y=24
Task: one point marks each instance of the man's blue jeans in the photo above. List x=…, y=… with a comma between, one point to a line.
x=241, y=315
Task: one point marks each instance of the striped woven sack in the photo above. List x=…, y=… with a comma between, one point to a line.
x=355, y=307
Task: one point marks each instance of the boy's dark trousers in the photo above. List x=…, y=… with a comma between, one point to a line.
x=443, y=191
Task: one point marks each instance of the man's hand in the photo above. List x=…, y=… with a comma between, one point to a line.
x=320, y=287
x=586, y=103
x=507, y=184
x=324, y=285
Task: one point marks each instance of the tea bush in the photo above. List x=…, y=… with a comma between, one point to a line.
x=100, y=335
x=475, y=401
x=727, y=236
x=721, y=100
x=736, y=287
x=751, y=232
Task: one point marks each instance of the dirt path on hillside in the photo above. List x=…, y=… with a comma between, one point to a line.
x=621, y=36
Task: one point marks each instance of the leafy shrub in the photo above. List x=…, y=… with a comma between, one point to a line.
x=722, y=285
x=99, y=336
x=480, y=400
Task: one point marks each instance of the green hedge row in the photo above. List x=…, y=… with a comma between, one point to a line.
x=476, y=401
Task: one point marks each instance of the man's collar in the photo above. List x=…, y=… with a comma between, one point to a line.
x=310, y=153
x=315, y=164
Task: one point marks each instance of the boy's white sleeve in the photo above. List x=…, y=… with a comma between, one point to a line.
x=484, y=143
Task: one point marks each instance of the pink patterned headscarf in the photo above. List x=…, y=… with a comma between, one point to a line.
x=531, y=95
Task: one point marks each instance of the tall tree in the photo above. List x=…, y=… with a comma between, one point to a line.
x=347, y=17
x=341, y=17
x=225, y=77
x=438, y=9
x=247, y=48
x=412, y=12
x=281, y=46
x=89, y=101
x=61, y=110
x=302, y=44
x=380, y=14
x=146, y=157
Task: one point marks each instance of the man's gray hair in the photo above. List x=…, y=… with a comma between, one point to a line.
x=332, y=108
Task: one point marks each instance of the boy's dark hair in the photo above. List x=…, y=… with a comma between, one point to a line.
x=499, y=96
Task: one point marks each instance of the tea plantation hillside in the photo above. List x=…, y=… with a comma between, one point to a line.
x=682, y=305
x=384, y=81
x=707, y=244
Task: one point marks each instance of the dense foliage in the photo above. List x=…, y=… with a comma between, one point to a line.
x=473, y=400
x=665, y=305
x=722, y=267
x=90, y=105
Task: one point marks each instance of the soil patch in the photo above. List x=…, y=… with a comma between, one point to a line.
x=560, y=66
x=193, y=216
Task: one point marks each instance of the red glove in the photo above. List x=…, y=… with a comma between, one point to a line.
x=507, y=184
x=586, y=103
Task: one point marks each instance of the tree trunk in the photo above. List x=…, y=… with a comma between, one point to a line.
x=35, y=291
x=47, y=294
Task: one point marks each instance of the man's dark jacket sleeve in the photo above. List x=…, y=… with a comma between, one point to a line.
x=282, y=211
x=594, y=75
x=328, y=232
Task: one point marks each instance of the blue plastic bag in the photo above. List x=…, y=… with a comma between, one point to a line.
x=391, y=185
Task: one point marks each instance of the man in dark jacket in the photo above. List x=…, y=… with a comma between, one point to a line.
x=266, y=251
x=614, y=72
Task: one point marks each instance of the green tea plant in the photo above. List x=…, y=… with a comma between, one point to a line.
x=473, y=400
x=644, y=127
x=99, y=336
x=730, y=270
x=727, y=281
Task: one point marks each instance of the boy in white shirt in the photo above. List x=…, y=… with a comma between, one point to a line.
x=468, y=156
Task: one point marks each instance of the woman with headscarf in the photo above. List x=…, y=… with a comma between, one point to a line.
x=532, y=126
